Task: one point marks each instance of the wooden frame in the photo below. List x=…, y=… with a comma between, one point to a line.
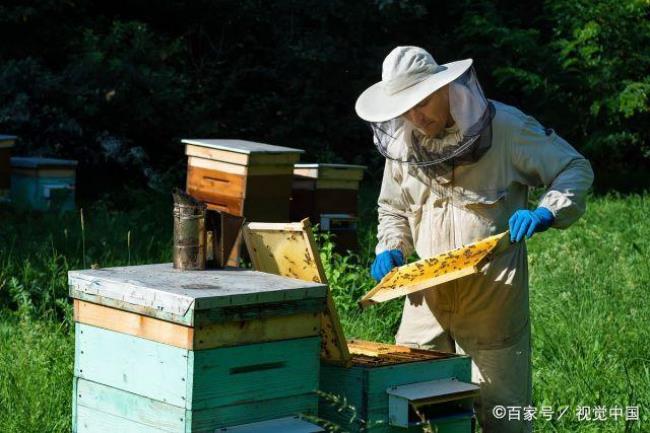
x=289, y=249
x=427, y=273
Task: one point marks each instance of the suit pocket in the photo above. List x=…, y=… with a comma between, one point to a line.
x=488, y=205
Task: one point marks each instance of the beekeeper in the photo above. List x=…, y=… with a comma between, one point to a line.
x=458, y=169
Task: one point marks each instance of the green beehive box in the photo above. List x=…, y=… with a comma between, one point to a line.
x=43, y=183
x=159, y=350
x=395, y=389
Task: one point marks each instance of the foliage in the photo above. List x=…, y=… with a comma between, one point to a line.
x=116, y=85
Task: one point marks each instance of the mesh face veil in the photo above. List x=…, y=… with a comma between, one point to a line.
x=466, y=142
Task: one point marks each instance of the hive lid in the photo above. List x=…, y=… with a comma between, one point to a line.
x=38, y=162
x=431, y=389
x=329, y=171
x=160, y=291
x=240, y=146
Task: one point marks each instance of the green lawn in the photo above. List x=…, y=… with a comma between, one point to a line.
x=589, y=302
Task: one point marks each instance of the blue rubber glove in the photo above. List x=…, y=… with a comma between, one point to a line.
x=384, y=262
x=525, y=222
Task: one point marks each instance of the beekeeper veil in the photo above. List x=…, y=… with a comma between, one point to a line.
x=409, y=76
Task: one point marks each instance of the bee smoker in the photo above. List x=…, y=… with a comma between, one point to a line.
x=189, y=232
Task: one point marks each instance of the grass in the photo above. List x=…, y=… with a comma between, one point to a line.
x=589, y=304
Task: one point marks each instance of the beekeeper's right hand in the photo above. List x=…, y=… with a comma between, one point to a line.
x=384, y=262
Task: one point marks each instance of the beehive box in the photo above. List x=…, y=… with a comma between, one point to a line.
x=159, y=350
x=327, y=195
x=241, y=177
x=389, y=388
x=6, y=144
x=324, y=189
x=379, y=394
x=43, y=183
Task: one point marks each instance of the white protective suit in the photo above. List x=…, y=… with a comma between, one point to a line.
x=485, y=315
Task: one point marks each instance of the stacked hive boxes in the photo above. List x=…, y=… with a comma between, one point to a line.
x=6, y=144
x=327, y=195
x=43, y=183
x=241, y=177
x=159, y=350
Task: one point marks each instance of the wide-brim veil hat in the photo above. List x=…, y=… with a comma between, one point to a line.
x=409, y=75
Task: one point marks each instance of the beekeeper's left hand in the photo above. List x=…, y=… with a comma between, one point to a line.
x=525, y=223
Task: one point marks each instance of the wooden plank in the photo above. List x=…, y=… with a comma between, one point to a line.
x=251, y=170
x=197, y=379
x=112, y=410
x=426, y=273
x=264, y=310
x=289, y=249
x=207, y=420
x=434, y=390
x=242, y=146
x=330, y=171
x=204, y=337
x=257, y=331
x=186, y=319
x=218, y=202
x=256, y=158
x=142, y=410
x=133, y=364
x=254, y=372
x=134, y=324
x=337, y=184
x=207, y=317
x=342, y=384
x=372, y=348
x=220, y=182
x=285, y=425
x=46, y=172
x=95, y=421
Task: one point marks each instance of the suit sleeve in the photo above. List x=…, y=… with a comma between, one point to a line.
x=541, y=157
x=393, y=231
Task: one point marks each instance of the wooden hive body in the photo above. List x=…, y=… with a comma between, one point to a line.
x=43, y=183
x=164, y=351
x=372, y=373
x=241, y=177
x=327, y=195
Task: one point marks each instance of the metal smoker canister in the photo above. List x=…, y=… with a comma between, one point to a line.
x=189, y=236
